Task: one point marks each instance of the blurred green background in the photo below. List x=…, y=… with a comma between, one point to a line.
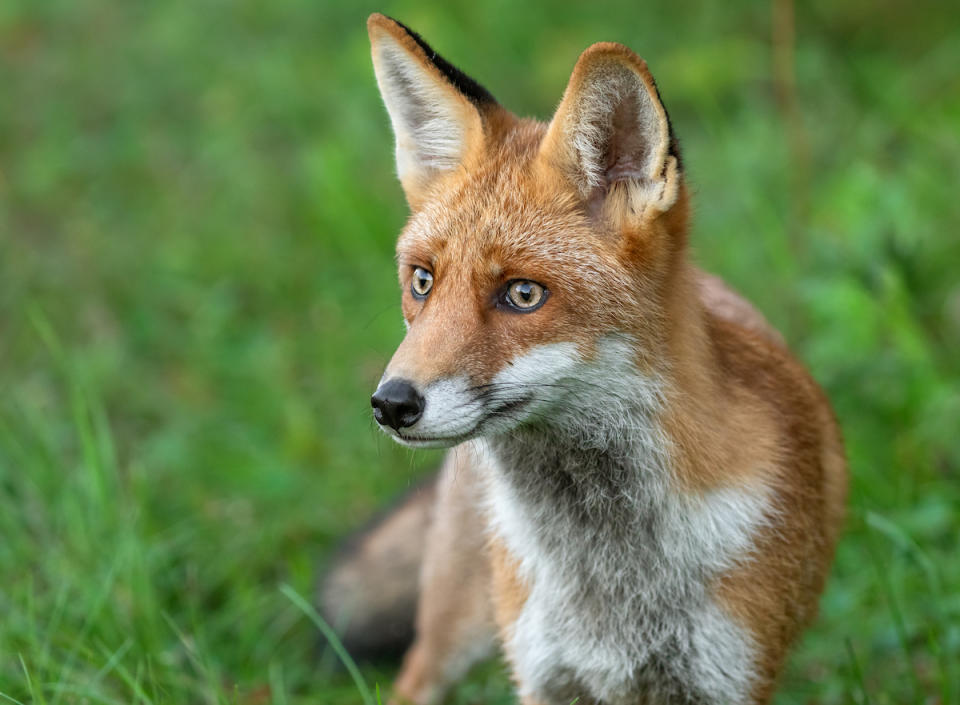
x=197, y=295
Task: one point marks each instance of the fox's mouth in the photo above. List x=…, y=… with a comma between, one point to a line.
x=500, y=412
x=420, y=441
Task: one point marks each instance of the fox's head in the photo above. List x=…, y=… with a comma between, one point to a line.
x=538, y=259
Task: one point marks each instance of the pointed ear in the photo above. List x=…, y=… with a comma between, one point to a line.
x=610, y=129
x=437, y=112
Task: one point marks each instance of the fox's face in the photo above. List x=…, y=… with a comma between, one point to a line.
x=533, y=265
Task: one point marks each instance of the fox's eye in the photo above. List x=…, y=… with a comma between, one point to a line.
x=525, y=295
x=421, y=284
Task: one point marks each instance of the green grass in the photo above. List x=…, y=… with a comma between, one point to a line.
x=197, y=214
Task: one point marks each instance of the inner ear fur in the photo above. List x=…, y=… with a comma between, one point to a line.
x=437, y=111
x=611, y=136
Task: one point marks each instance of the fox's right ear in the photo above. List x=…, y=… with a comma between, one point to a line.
x=437, y=112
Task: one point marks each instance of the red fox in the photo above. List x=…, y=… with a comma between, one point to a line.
x=645, y=487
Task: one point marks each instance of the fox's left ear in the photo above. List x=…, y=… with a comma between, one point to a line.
x=611, y=129
x=437, y=112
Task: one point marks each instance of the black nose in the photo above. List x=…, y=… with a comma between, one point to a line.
x=397, y=403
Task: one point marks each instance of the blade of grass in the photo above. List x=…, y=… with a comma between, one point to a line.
x=934, y=633
x=37, y=698
x=278, y=689
x=857, y=671
x=90, y=613
x=899, y=624
x=84, y=695
x=194, y=655
x=111, y=662
x=53, y=625
x=132, y=681
x=333, y=640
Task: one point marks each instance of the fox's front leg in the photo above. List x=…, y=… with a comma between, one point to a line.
x=455, y=626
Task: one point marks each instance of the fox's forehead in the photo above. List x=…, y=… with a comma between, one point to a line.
x=490, y=222
x=502, y=213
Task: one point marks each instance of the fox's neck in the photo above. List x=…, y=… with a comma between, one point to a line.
x=573, y=499
x=601, y=470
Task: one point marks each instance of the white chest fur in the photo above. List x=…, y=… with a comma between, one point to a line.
x=618, y=566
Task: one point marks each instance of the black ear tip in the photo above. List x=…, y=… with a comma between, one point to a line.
x=475, y=93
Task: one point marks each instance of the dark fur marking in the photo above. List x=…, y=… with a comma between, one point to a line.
x=674, y=149
x=477, y=94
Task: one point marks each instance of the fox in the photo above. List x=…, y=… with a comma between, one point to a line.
x=644, y=487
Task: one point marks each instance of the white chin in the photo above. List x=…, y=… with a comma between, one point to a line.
x=428, y=442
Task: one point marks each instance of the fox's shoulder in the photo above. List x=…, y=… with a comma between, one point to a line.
x=755, y=366
x=722, y=303
x=750, y=352
x=751, y=355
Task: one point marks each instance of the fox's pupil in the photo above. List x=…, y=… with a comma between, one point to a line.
x=525, y=295
x=422, y=282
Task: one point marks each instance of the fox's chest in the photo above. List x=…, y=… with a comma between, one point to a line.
x=618, y=607
x=628, y=655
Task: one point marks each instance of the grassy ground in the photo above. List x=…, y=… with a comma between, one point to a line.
x=197, y=293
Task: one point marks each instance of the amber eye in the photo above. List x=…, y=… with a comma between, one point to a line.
x=525, y=295
x=421, y=284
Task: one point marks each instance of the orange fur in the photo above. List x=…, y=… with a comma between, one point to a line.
x=739, y=410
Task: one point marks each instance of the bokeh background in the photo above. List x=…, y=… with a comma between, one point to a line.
x=197, y=295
